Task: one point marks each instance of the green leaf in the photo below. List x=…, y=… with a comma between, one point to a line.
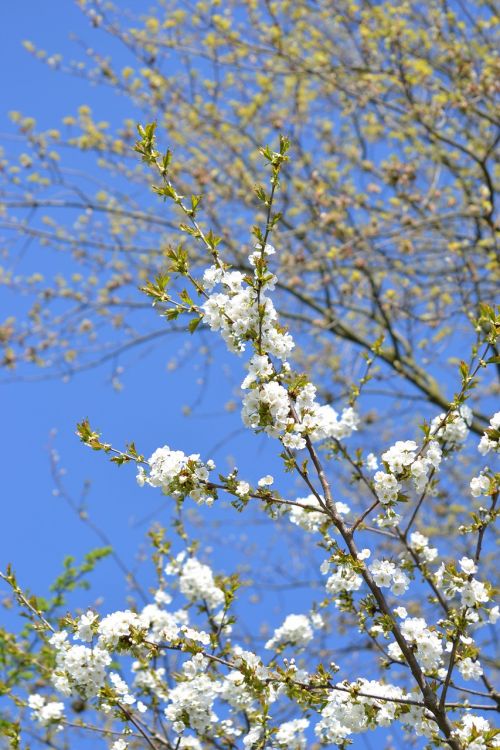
x=193, y=324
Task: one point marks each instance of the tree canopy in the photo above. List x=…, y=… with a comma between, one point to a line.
x=389, y=230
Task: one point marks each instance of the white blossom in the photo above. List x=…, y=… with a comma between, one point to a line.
x=420, y=545
x=479, y=485
x=470, y=670
x=471, y=731
x=400, y=455
x=467, y=565
x=387, y=574
x=179, y=475
x=84, y=630
x=80, y=670
x=266, y=481
x=290, y=735
x=386, y=487
x=345, y=715
x=296, y=630
x=45, y=712
x=490, y=441
x=474, y=593
x=196, y=582
x=343, y=579
x=429, y=648
x=116, y=627
x=195, y=698
x=457, y=425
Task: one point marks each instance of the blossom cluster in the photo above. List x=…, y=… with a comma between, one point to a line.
x=296, y=630
x=244, y=313
x=349, y=713
x=427, y=643
x=419, y=543
x=46, y=712
x=473, y=593
x=404, y=464
x=490, y=441
x=200, y=697
x=386, y=574
x=268, y=406
x=179, y=475
x=312, y=520
x=453, y=428
x=196, y=580
x=344, y=578
x=79, y=670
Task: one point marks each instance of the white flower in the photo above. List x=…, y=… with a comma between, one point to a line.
x=59, y=640
x=470, y=670
x=494, y=614
x=471, y=731
x=418, y=471
x=344, y=579
x=235, y=691
x=420, y=544
x=386, y=574
x=290, y=735
x=267, y=407
x=382, y=572
x=259, y=369
x=434, y=454
x=121, y=688
x=116, y=627
x=197, y=584
x=178, y=475
x=479, y=485
x=467, y=565
x=212, y=276
x=386, y=487
x=80, y=670
x=241, y=311
x=429, y=649
x=344, y=714
x=161, y=597
x=200, y=636
x=84, y=629
x=311, y=520
x=296, y=630
x=242, y=489
x=160, y=624
x=474, y=593
x=189, y=743
x=45, y=712
x=324, y=567
x=491, y=442
x=456, y=429
x=400, y=455
x=195, y=698
x=150, y=681
x=266, y=481
x=252, y=737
